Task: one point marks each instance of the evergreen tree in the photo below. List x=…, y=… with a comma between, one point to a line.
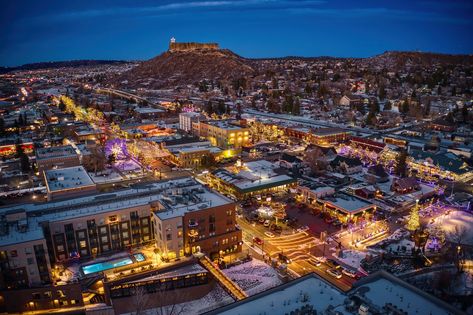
x=413, y=222
x=239, y=110
x=465, y=113
x=382, y=92
x=20, y=120
x=221, y=107
x=308, y=89
x=296, y=107
x=2, y=127
x=209, y=108
x=25, y=163
x=401, y=164
x=370, y=119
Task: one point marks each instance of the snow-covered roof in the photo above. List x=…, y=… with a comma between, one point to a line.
x=67, y=178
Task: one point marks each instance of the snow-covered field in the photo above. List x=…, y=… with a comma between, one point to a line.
x=214, y=299
x=352, y=258
x=461, y=220
x=127, y=165
x=254, y=276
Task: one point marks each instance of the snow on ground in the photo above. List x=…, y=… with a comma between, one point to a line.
x=398, y=235
x=105, y=177
x=127, y=165
x=460, y=219
x=352, y=258
x=253, y=276
x=214, y=299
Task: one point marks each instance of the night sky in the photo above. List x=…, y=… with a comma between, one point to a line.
x=33, y=31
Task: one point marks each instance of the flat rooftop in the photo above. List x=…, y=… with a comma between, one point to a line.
x=224, y=124
x=348, y=203
x=177, y=196
x=53, y=152
x=254, y=175
x=327, y=131
x=67, y=178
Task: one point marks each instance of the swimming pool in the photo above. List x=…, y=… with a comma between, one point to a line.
x=106, y=265
x=139, y=257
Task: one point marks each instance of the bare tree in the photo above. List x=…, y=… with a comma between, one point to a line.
x=170, y=302
x=456, y=237
x=315, y=159
x=140, y=300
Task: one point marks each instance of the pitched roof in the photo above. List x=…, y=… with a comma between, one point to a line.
x=351, y=162
x=446, y=161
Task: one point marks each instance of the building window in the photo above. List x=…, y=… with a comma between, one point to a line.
x=146, y=230
x=82, y=244
x=104, y=239
x=125, y=234
x=13, y=253
x=103, y=230
x=28, y=250
x=60, y=248
x=30, y=261
x=168, y=236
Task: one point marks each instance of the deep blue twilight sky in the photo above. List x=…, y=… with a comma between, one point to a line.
x=47, y=30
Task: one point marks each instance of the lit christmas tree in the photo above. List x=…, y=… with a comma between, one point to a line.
x=413, y=222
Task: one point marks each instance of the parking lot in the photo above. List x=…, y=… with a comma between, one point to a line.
x=305, y=217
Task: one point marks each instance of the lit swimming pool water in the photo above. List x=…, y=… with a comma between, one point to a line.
x=139, y=257
x=106, y=265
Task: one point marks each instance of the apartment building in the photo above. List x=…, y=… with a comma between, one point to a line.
x=24, y=259
x=108, y=222
x=194, y=219
x=186, y=120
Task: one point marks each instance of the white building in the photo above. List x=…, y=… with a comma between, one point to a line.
x=186, y=120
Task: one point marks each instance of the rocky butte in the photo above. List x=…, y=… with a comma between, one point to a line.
x=173, y=46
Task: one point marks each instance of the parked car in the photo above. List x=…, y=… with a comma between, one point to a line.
x=336, y=223
x=269, y=234
x=261, y=220
x=334, y=273
x=257, y=240
x=266, y=223
x=314, y=262
x=333, y=264
x=350, y=273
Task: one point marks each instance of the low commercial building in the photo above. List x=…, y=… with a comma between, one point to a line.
x=193, y=155
x=324, y=136
x=434, y=166
x=68, y=182
x=56, y=157
x=251, y=178
x=345, y=207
